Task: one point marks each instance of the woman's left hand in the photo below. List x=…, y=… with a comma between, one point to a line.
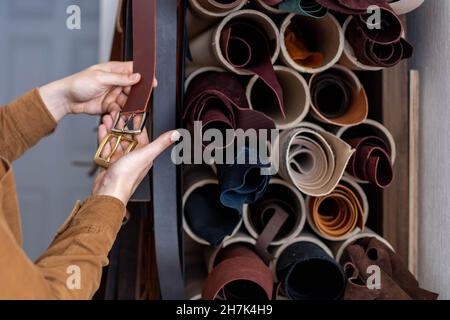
x=100, y=89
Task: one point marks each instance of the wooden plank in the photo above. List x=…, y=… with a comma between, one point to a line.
x=395, y=104
x=414, y=98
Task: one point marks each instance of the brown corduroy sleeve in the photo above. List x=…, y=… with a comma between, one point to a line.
x=71, y=268
x=23, y=123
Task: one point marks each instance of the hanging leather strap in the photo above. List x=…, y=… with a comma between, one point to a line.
x=166, y=206
x=271, y=229
x=144, y=55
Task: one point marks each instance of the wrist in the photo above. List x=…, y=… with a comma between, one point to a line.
x=54, y=96
x=111, y=188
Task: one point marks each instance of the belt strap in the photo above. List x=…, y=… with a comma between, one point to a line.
x=166, y=207
x=144, y=55
x=271, y=229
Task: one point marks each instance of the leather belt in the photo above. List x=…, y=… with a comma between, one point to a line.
x=144, y=57
x=314, y=160
x=247, y=48
x=307, y=272
x=397, y=283
x=239, y=274
x=404, y=6
x=371, y=161
x=338, y=214
x=218, y=100
x=165, y=191
x=242, y=183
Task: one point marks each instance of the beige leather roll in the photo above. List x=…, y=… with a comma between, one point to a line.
x=312, y=159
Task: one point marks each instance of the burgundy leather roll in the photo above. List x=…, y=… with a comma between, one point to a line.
x=396, y=282
x=239, y=274
x=380, y=47
x=218, y=100
x=246, y=47
x=351, y=6
x=371, y=161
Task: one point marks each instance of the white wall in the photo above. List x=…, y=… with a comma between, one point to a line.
x=429, y=30
x=108, y=9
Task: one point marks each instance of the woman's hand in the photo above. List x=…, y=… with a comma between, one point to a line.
x=127, y=172
x=100, y=89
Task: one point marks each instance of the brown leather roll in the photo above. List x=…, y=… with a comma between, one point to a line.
x=338, y=214
x=371, y=161
x=396, y=282
x=239, y=274
x=338, y=97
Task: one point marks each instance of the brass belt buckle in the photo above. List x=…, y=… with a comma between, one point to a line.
x=121, y=135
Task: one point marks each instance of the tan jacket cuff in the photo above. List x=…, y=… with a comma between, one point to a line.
x=31, y=117
x=97, y=214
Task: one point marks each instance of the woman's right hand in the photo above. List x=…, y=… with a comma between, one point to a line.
x=127, y=172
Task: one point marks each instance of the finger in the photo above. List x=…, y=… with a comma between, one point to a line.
x=108, y=121
x=118, y=79
x=116, y=67
x=102, y=133
x=142, y=139
x=112, y=96
x=127, y=90
x=155, y=83
x=157, y=147
x=122, y=99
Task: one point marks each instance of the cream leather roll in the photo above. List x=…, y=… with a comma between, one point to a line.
x=312, y=159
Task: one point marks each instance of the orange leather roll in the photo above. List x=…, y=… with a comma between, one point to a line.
x=337, y=214
x=299, y=51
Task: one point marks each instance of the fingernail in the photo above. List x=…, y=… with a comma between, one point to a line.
x=135, y=77
x=175, y=136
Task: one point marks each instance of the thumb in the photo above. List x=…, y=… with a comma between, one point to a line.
x=118, y=79
x=146, y=155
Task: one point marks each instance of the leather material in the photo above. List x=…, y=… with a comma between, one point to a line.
x=218, y=100
x=165, y=181
x=144, y=55
x=405, y=6
x=338, y=97
x=331, y=94
x=307, y=272
x=239, y=274
x=383, y=47
x=371, y=161
x=338, y=214
x=219, y=7
x=298, y=50
x=247, y=48
x=397, y=283
x=354, y=7
x=272, y=227
x=314, y=160
x=309, y=8
x=207, y=217
x=242, y=183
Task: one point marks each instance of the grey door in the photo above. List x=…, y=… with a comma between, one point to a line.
x=36, y=47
